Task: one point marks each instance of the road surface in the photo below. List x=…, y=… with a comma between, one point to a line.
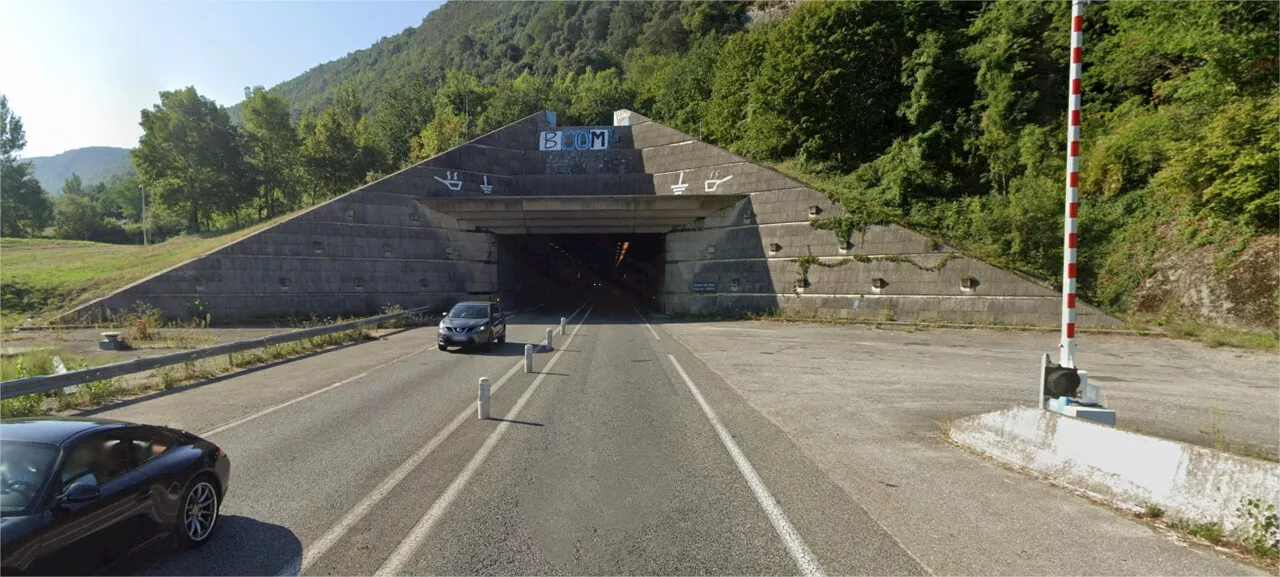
x=623, y=453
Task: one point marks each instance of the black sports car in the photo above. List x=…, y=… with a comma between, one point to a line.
x=79, y=495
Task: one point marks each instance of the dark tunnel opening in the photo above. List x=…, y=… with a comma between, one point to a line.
x=616, y=270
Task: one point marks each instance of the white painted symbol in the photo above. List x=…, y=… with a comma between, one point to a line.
x=712, y=184
x=486, y=187
x=450, y=180
x=679, y=187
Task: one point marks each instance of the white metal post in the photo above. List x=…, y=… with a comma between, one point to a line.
x=548, y=339
x=1067, y=348
x=563, y=322
x=528, y=358
x=483, y=400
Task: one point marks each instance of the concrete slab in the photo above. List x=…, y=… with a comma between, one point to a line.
x=869, y=406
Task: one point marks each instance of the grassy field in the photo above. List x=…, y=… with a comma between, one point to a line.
x=42, y=277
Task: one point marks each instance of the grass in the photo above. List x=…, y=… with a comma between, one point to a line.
x=1222, y=442
x=162, y=379
x=41, y=277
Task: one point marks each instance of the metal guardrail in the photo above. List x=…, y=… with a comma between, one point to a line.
x=45, y=383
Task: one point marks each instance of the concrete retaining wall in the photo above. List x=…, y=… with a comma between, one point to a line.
x=1128, y=469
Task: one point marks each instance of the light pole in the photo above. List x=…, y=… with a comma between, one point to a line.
x=143, y=192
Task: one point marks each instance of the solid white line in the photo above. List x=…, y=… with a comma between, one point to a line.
x=414, y=540
x=804, y=558
x=647, y=325
x=317, y=549
x=275, y=408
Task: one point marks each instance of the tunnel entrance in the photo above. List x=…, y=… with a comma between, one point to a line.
x=616, y=270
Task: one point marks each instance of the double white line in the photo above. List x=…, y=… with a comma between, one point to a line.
x=319, y=547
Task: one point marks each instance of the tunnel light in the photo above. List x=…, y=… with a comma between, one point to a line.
x=968, y=283
x=879, y=283
x=814, y=211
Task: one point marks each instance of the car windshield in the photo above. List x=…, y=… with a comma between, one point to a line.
x=23, y=470
x=469, y=312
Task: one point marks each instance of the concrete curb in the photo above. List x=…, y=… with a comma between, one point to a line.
x=1124, y=468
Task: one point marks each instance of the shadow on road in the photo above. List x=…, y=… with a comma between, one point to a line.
x=515, y=422
x=239, y=546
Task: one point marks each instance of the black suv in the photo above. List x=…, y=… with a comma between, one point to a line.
x=475, y=323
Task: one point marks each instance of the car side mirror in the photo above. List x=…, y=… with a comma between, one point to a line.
x=79, y=493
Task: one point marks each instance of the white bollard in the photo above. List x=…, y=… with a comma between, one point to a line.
x=528, y=358
x=484, y=399
x=548, y=339
x=563, y=322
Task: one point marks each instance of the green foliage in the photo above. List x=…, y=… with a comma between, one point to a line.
x=77, y=217
x=24, y=207
x=189, y=157
x=1228, y=171
x=1262, y=527
x=273, y=150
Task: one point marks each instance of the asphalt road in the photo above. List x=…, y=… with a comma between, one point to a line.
x=623, y=453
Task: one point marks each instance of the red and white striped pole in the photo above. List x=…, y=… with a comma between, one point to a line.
x=1067, y=349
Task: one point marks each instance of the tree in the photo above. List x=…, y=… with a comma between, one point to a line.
x=445, y=131
x=338, y=149
x=512, y=101
x=735, y=69
x=406, y=110
x=73, y=186
x=190, y=157
x=273, y=150
x=598, y=95
x=76, y=218
x=24, y=207
x=828, y=89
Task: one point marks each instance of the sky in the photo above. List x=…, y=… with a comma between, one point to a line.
x=78, y=72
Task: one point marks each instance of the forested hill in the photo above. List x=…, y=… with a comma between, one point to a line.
x=946, y=117
x=93, y=164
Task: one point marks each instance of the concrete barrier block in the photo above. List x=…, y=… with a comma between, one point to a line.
x=1129, y=469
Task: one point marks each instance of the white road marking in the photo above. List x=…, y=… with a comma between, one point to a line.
x=275, y=408
x=317, y=549
x=414, y=540
x=795, y=545
x=647, y=325
x=320, y=546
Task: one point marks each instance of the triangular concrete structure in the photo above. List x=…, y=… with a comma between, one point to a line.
x=448, y=228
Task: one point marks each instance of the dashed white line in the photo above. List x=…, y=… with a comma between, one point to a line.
x=414, y=540
x=791, y=539
x=319, y=547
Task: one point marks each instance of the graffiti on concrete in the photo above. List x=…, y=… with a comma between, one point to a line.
x=713, y=183
x=586, y=162
x=679, y=186
x=577, y=139
x=451, y=180
x=486, y=187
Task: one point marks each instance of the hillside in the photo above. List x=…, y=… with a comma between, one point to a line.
x=946, y=117
x=94, y=164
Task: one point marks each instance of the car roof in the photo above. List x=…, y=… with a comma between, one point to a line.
x=53, y=430
x=474, y=303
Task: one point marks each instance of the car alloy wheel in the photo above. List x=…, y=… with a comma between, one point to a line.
x=200, y=511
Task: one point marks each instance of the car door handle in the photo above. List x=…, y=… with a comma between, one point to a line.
x=143, y=495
